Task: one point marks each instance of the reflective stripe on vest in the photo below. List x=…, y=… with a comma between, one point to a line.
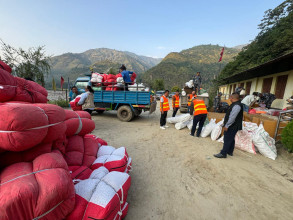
x=176, y=103
x=199, y=107
x=166, y=106
x=190, y=99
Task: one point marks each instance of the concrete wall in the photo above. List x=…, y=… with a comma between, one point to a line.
x=257, y=84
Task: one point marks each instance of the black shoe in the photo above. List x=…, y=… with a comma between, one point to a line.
x=219, y=155
x=191, y=135
x=230, y=154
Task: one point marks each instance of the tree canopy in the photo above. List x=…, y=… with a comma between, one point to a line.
x=33, y=63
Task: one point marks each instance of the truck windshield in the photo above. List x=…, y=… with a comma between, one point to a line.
x=81, y=85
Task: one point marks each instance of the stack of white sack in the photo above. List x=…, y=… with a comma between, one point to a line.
x=254, y=138
x=120, y=81
x=97, y=78
x=138, y=87
x=189, y=84
x=207, y=130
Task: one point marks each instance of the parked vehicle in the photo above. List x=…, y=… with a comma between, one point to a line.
x=159, y=94
x=128, y=104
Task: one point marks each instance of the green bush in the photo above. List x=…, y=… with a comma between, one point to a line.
x=61, y=103
x=287, y=137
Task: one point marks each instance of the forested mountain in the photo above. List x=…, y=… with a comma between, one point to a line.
x=177, y=68
x=74, y=64
x=274, y=40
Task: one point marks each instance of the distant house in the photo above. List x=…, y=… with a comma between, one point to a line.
x=275, y=76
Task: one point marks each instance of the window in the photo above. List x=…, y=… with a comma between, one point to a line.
x=241, y=85
x=267, y=84
x=230, y=89
x=281, y=86
x=248, y=87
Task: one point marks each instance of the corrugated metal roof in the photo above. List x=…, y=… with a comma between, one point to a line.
x=280, y=64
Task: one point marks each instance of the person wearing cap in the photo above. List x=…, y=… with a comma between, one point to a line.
x=199, y=110
x=126, y=76
x=217, y=102
x=197, y=82
x=175, y=103
x=249, y=101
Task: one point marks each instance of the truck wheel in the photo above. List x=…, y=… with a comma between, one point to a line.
x=137, y=112
x=125, y=113
x=100, y=111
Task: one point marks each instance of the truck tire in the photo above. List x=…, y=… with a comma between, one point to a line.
x=125, y=113
x=137, y=112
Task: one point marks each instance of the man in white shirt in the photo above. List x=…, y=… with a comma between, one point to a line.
x=249, y=100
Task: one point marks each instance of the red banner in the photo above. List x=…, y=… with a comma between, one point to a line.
x=62, y=82
x=221, y=54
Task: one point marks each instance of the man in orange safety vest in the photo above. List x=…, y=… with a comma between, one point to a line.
x=190, y=99
x=175, y=103
x=199, y=110
x=164, y=108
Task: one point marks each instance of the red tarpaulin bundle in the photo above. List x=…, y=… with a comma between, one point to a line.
x=78, y=123
x=5, y=67
x=102, y=196
x=81, y=151
x=18, y=89
x=73, y=104
x=35, y=124
x=41, y=189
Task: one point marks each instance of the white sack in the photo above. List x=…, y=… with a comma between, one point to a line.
x=243, y=141
x=179, y=118
x=190, y=124
x=217, y=130
x=181, y=125
x=207, y=130
x=264, y=143
x=189, y=84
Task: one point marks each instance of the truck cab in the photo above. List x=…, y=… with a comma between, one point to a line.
x=80, y=83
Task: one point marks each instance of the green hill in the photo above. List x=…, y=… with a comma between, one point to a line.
x=74, y=64
x=177, y=68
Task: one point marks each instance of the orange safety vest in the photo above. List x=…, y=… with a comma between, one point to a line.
x=176, y=103
x=190, y=99
x=166, y=106
x=199, y=107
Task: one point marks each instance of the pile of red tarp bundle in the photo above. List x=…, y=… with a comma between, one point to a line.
x=44, y=151
x=18, y=89
x=73, y=104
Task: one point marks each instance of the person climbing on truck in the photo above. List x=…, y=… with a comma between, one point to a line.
x=126, y=76
x=87, y=100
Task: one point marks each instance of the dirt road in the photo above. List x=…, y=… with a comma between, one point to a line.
x=175, y=176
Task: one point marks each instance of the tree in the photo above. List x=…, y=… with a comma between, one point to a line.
x=175, y=88
x=158, y=84
x=33, y=63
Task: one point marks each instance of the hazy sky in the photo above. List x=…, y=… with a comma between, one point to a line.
x=145, y=27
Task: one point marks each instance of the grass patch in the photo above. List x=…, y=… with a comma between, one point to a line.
x=60, y=102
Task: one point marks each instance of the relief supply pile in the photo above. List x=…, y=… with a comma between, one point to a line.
x=251, y=138
x=51, y=167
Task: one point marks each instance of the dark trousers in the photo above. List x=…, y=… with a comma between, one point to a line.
x=163, y=118
x=229, y=142
x=198, y=119
x=175, y=110
x=188, y=109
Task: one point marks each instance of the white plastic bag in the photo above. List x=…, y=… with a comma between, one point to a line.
x=207, y=130
x=179, y=118
x=243, y=141
x=190, y=124
x=217, y=130
x=181, y=125
x=264, y=143
x=189, y=84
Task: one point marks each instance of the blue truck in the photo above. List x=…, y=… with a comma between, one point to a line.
x=128, y=104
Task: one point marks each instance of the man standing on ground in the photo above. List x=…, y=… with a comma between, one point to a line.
x=175, y=103
x=217, y=102
x=199, y=110
x=164, y=108
x=190, y=99
x=232, y=124
x=248, y=101
x=197, y=82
